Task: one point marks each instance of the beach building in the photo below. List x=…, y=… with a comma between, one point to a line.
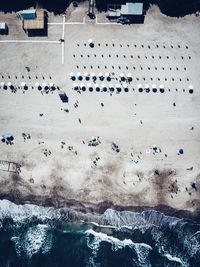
x=3, y=28
x=34, y=22
x=133, y=12
x=129, y=13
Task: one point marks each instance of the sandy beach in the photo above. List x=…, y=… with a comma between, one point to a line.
x=57, y=165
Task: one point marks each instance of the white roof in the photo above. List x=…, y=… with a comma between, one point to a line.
x=2, y=25
x=28, y=11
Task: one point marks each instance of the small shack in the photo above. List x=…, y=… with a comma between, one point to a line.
x=63, y=96
x=133, y=12
x=34, y=22
x=3, y=28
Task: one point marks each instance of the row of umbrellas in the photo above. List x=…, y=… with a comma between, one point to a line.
x=24, y=86
x=119, y=87
x=101, y=76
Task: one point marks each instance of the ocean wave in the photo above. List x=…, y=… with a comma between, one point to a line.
x=174, y=259
x=141, y=249
x=33, y=240
x=139, y=235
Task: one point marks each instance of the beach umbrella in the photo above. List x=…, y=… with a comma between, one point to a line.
x=98, y=89
x=93, y=75
x=82, y=86
x=39, y=87
x=104, y=88
x=111, y=87
x=118, y=88
x=2, y=84
x=45, y=86
x=107, y=75
x=75, y=86
x=125, y=86
x=129, y=77
x=101, y=76
x=52, y=86
x=24, y=86
x=72, y=76
x=91, y=43
x=162, y=88
x=147, y=89
x=181, y=151
x=122, y=77
x=90, y=88
x=79, y=76
x=191, y=89
x=86, y=75
x=154, y=88
x=9, y=84
x=140, y=88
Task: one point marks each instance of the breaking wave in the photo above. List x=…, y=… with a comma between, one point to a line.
x=36, y=236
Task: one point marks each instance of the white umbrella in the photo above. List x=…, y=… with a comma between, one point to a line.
x=9, y=84
x=191, y=87
x=72, y=76
x=146, y=86
x=129, y=77
x=79, y=75
x=97, y=87
x=117, y=85
x=2, y=84
x=161, y=86
x=100, y=74
x=51, y=84
x=82, y=85
x=85, y=74
x=110, y=85
x=23, y=84
x=107, y=74
x=122, y=76
x=125, y=85
x=37, y=84
x=93, y=74
x=74, y=84
x=103, y=85
x=44, y=84
x=154, y=86
x=90, y=41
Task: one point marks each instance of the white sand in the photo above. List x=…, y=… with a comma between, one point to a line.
x=116, y=177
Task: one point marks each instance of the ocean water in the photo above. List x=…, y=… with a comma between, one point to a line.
x=37, y=236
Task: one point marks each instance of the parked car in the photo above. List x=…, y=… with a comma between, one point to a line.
x=123, y=21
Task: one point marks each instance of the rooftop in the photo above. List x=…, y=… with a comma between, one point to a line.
x=132, y=9
x=37, y=23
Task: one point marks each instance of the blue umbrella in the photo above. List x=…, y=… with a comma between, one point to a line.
x=181, y=151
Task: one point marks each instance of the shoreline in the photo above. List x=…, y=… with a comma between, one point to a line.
x=100, y=208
